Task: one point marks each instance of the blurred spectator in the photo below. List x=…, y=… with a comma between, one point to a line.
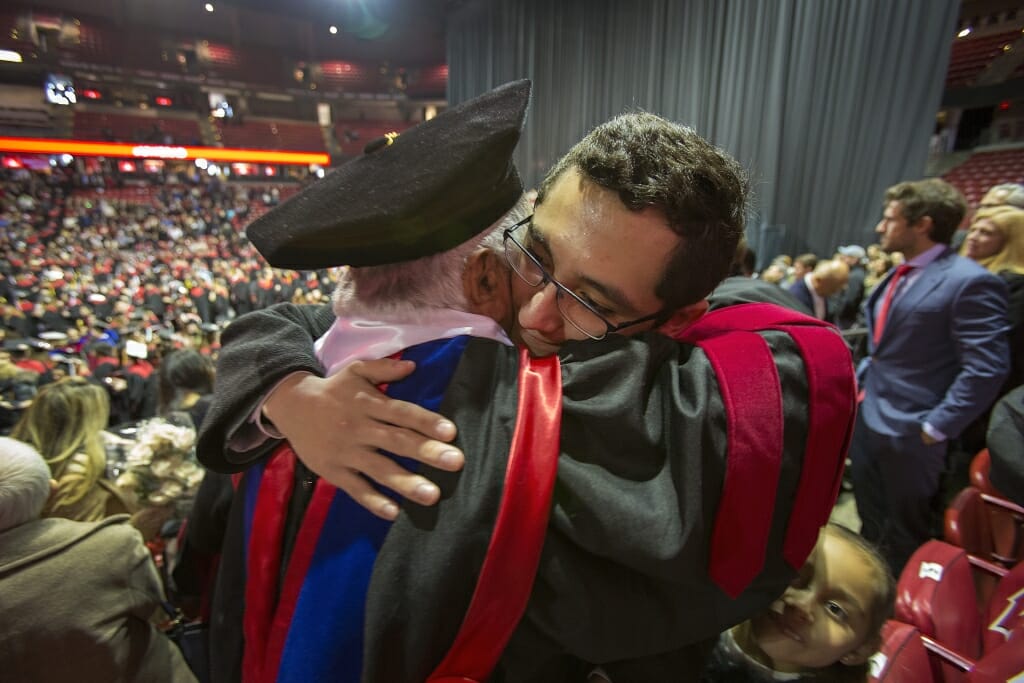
x=802, y=265
x=814, y=289
x=17, y=389
x=1006, y=445
x=847, y=303
x=186, y=385
x=1007, y=194
x=877, y=268
x=996, y=241
x=78, y=597
x=65, y=423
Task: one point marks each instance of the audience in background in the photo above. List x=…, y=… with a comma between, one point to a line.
x=186, y=385
x=65, y=424
x=847, y=302
x=802, y=265
x=1006, y=445
x=996, y=241
x=816, y=287
x=1006, y=194
x=78, y=597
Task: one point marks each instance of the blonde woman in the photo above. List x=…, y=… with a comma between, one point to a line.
x=65, y=424
x=996, y=241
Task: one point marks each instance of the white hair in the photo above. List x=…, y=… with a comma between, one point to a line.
x=408, y=290
x=24, y=483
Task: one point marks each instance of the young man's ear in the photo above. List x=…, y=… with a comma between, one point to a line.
x=683, y=318
x=485, y=282
x=924, y=226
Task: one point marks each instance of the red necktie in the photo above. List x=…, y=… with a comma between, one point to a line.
x=883, y=311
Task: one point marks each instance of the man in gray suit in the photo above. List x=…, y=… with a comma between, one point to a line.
x=938, y=354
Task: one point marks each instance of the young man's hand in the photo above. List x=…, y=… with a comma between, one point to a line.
x=337, y=424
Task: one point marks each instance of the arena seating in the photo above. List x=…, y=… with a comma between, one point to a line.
x=938, y=612
x=1005, y=519
x=271, y=134
x=125, y=127
x=985, y=169
x=350, y=77
x=25, y=121
x=431, y=81
x=971, y=55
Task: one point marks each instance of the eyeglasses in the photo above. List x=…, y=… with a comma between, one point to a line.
x=577, y=312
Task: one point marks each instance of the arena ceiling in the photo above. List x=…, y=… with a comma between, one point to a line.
x=405, y=31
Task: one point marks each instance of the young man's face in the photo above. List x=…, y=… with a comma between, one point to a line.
x=895, y=232
x=590, y=242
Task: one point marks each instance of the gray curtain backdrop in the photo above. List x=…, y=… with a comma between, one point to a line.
x=826, y=102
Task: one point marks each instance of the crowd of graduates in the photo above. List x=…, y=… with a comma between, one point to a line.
x=81, y=275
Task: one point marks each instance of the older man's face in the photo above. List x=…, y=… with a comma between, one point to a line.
x=611, y=257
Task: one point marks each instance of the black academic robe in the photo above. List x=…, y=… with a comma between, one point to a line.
x=623, y=579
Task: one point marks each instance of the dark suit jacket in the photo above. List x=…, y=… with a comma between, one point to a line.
x=848, y=302
x=802, y=293
x=944, y=353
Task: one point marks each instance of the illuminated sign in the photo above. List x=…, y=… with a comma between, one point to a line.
x=160, y=152
x=112, y=149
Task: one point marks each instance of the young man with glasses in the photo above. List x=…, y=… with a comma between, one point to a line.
x=643, y=447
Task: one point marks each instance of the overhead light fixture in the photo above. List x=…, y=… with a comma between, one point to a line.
x=964, y=33
x=209, y=6
x=333, y=30
x=12, y=56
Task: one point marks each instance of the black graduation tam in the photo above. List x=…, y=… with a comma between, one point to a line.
x=432, y=188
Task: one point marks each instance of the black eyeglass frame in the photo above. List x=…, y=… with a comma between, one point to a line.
x=561, y=289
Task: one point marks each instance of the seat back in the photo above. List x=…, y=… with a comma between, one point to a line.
x=1002, y=665
x=966, y=523
x=936, y=594
x=1005, y=611
x=1006, y=522
x=902, y=657
x=980, y=466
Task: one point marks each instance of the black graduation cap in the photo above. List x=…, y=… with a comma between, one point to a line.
x=423, y=192
x=15, y=345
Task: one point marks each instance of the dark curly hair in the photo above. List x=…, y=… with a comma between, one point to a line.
x=652, y=162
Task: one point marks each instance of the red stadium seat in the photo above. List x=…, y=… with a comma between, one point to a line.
x=936, y=594
x=1006, y=520
x=1005, y=613
x=902, y=658
x=1005, y=664
x=966, y=523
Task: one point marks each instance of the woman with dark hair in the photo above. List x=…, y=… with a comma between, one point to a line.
x=186, y=385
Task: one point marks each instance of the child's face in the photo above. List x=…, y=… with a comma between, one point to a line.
x=824, y=615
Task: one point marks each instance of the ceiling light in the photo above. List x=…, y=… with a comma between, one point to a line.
x=12, y=56
x=964, y=33
x=333, y=30
x=209, y=6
